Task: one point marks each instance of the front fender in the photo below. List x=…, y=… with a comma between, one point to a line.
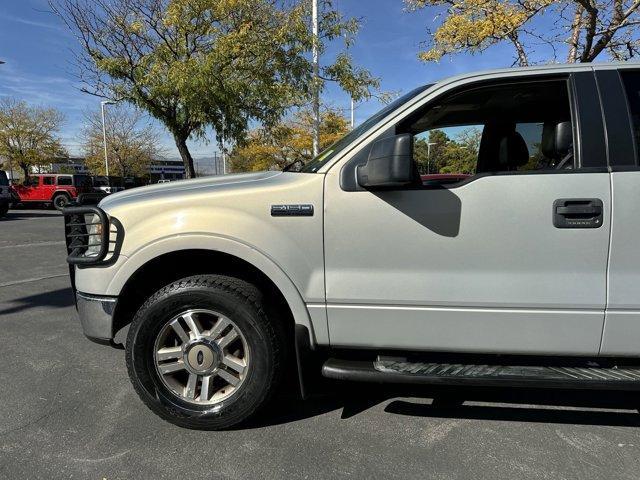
x=205, y=241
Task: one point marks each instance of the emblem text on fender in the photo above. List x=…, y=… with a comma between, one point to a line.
x=304, y=210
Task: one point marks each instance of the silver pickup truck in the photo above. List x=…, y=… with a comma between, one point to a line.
x=480, y=230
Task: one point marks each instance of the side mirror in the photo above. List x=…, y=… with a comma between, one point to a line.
x=390, y=164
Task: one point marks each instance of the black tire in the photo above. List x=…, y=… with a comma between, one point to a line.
x=60, y=201
x=239, y=301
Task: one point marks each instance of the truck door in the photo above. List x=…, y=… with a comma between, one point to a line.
x=513, y=258
x=28, y=191
x=620, y=95
x=47, y=188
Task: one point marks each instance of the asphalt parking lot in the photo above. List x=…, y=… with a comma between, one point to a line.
x=67, y=409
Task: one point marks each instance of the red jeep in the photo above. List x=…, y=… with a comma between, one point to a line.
x=57, y=189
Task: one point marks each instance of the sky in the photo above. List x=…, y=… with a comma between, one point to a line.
x=38, y=51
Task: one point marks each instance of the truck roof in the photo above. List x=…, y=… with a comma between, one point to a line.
x=541, y=70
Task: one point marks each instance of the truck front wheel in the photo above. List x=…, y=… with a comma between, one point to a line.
x=202, y=353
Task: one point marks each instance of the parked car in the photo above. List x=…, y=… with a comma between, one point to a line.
x=525, y=273
x=134, y=182
x=108, y=184
x=55, y=189
x=5, y=193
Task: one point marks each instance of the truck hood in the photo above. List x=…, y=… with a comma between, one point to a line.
x=198, y=185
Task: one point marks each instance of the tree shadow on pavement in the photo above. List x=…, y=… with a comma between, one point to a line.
x=60, y=298
x=575, y=407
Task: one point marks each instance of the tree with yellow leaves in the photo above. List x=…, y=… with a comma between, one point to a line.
x=287, y=142
x=29, y=135
x=195, y=64
x=572, y=30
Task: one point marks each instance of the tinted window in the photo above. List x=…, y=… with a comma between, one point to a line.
x=4, y=181
x=64, y=181
x=82, y=181
x=48, y=180
x=32, y=181
x=631, y=82
x=100, y=182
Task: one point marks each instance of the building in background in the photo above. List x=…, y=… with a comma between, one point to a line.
x=165, y=169
x=64, y=165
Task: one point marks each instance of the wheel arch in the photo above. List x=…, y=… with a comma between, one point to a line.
x=172, y=258
x=60, y=192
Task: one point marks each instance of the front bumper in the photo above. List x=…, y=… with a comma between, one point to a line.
x=96, y=316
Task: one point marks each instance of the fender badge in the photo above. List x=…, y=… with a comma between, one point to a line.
x=292, y=210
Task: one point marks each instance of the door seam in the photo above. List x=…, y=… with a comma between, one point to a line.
x=606, y=280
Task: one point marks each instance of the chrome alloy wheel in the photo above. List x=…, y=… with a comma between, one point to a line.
x=201, y=356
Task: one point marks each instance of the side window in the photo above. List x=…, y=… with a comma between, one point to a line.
x=32, y=182
x=48, y=180
x=448, y=150
x=64, y=181
x=517, y=127
x=631, y=82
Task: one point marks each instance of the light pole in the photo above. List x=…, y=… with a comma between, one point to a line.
x=224, y=156
x=316, y=72
x=104, y=133
x=353, y=117
x=224, y=162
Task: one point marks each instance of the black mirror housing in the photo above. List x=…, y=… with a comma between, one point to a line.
x=390, y=164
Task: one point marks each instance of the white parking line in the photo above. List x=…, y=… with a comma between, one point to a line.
x=34, y=244
x=29, y=280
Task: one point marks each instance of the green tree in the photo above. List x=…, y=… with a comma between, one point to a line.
x=198, y=63
x=440, y=154
x=428, y=152
x=288, y=141
x=28, y=134
x=573, y=30
x=131, y=142
x=462, y=154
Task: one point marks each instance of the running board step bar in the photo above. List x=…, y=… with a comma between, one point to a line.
x=401, y=371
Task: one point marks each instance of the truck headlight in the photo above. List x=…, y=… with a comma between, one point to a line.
x=94, y=239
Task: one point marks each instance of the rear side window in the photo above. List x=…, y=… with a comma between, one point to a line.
x=631, y=82
x=64, y=181
x=48, y=180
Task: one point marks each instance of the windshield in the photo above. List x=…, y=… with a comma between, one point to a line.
x=315, y=164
